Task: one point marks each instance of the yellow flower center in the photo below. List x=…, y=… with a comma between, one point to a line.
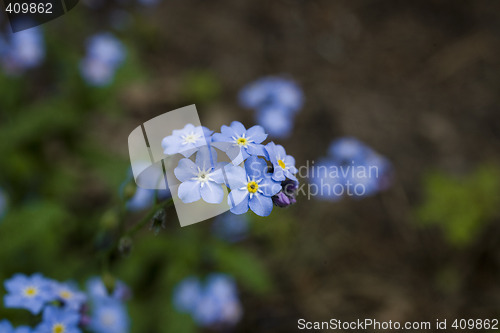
x=30, y=292
x=242, y=142
x=281, y=164
x=58, y=328
x=252, y=187
x=66, y=294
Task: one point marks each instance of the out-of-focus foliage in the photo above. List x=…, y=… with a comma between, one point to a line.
x=461, y=205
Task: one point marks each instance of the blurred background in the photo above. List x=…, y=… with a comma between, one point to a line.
x=417, y=81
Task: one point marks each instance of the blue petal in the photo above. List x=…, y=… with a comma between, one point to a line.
x=189, y=191
x=261, y=205
x=235, y=176
x=279, y=174
x=256, y=167
x=212, y=193
x=256, y=134
x=237, y=196
x=269, y=186
x=256, y=149
x=238, y=128
x=206, y=158
x=241, y=208
x=185, y=170
x=171, y=145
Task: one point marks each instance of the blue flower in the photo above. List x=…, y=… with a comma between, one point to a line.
x=186, y=141
x=248, y=141
x=276, y=119
x=97, y=290
x=69, y=295
x=3, y=203
x=272, y=91
x=283, y=164
x=230, y=227
x=56, y=320
x=251, y=187
x=351, y=169
x=109, y=316
x=219, y=304
x=30, y=293
x=202, y=179
x=187, y=294
x=104, y=55
x=6, y=327
x=24, y=50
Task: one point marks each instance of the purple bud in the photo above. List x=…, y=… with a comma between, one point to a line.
x=286, y=196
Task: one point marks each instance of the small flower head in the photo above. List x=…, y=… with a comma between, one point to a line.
x=186, y=141
x=252, y=187
x=187, y=294
x=286, y=196
x=109, y=316
x=277, y=120
x=248, y=141
x=98, y=290
x=105, y=53
x=24, y=50
x=31, y=293
x=69, y=295
x=272, y=91
x=57, y=320
x=200, y=180
x=6, y=327
x=283, y=164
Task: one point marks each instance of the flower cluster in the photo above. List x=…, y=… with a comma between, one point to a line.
x=104, y=55
x=64, y=308
x=276, y=101
x=351, y=168
x=22, y=50
x=215, y=304
x=255, y=175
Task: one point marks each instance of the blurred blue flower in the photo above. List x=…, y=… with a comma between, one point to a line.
x=272, y=90
x=3, y=203
x=214, y=305
x=251, y=187
x=283, y=164
x=202, y=179
x=230, y=227
x=186, y=141
x=56, y=320
x=187, y=294
x=105, y=53
x=97, y=290
x=277, y=121
x=69, y=295
x=30, y=293
x=351, y=169
x=23, y=50
x=6, y=327
x=249, y=141
x=109, y=316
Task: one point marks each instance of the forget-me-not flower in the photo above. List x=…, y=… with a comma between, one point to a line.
x=23, y=50
x=276, y=120
x=109, y=316
x=69, y=295
x=186, y=141
x=58, y=320
x=31, y=293
x=97, y=290
x=272, y=91
x=6, y=327
x=251, y=187
x=187, y=294
x=283, y=164
x=248, y=141
x=200, y=180
x=105, y=53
